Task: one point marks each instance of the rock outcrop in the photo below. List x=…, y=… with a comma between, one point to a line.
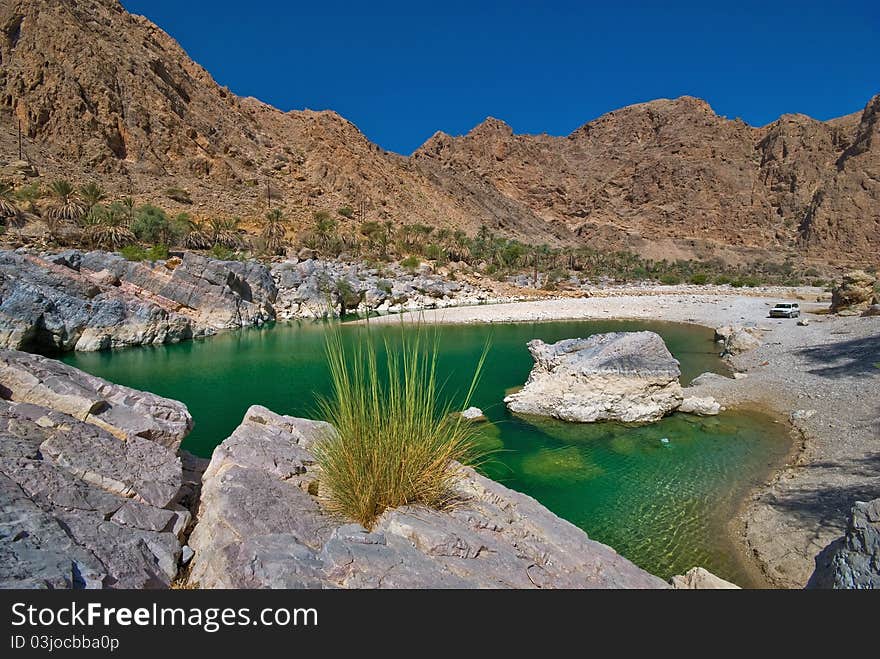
x=261, y=526
x=314, y=288
x=98, y=300
x=620, y=376
x=855, y=293
x=852, y=561
x=121, y=411
x=91, y=484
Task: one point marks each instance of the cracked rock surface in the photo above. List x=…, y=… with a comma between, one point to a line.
x=90, y=480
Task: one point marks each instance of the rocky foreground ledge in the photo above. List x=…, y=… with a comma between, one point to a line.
x=95, y=493
x=261, y=526
x=93, y=490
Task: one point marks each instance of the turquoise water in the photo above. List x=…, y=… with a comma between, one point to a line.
x=664, y=506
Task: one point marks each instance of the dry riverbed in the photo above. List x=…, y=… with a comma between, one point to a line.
x=824, y=378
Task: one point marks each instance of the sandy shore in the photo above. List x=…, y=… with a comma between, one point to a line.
x=824, y=377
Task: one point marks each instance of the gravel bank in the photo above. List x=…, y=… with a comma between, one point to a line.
x=824, y=377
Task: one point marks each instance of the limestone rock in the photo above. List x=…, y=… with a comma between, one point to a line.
x=852, y=561
x=82, y=508
x=855, y=292
x=473, y=414
x=703, y=406
x=89, y=480
x=259, y=527
x=698, y=578
x=738, y=339
x=122, y=411
x=622, y=376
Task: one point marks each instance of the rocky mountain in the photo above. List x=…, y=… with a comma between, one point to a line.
x=103, y=94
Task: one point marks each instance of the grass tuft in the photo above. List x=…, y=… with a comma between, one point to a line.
x=396, y=442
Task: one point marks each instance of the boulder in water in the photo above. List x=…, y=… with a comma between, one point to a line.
x=620, y=376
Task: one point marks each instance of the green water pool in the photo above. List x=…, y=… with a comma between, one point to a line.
x=665, y=506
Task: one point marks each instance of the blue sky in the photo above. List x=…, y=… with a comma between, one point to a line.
x=403, y=70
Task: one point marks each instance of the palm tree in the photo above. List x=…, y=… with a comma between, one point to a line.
x=462, y=245
x=225, y=232
x=274, y=231
x=325, y=228
x=92, y=194
x=198, y=236
x=107, y=227
x=8, y=208
x=66, y=206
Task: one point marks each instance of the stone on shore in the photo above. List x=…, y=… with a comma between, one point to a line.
x=260, y=526
x=620, y=376
x=854, y=294
x=99, y=300
x=738, y=339
x=698, y=578
x=852, y=561
x=700, y=405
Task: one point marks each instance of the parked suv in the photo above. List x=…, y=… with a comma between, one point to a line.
x=785, y=310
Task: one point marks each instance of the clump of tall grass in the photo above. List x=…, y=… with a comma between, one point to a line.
x=396, y=442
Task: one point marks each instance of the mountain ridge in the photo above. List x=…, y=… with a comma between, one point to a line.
x=105, y=94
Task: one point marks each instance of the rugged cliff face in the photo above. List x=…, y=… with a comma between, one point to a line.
x=104, y=94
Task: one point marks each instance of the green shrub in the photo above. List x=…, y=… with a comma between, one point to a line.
x=384, y=285
x=222, y=253
x=699, y=278
x=157, y=253
x=139, y=253
x=410, y=263
x=134, y=253
x=670, y=279
x=345, y=211
x=151, y=225
x=395, y=442
x=819, y=283
x=721, y=280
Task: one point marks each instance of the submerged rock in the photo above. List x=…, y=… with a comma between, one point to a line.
x=852, y=561
x=620, y=376
x=89, y=480
x=260, y=526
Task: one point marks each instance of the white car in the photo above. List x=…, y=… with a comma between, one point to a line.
x=785, y=310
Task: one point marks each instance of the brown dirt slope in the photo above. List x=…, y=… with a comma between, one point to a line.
x=106, y=95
